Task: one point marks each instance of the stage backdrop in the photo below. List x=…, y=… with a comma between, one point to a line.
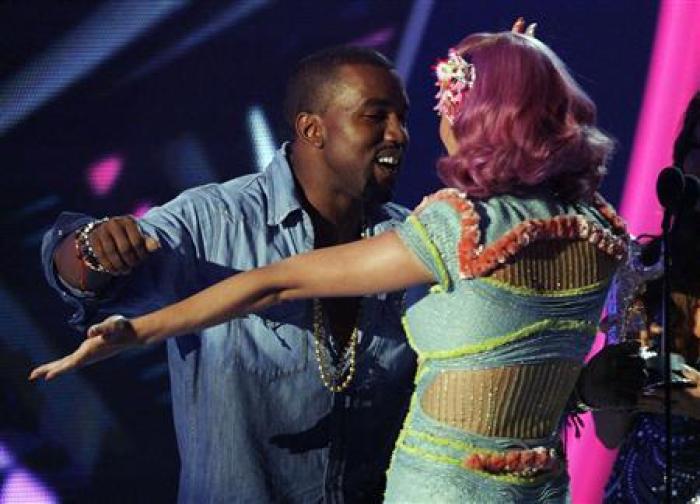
x=113, y=107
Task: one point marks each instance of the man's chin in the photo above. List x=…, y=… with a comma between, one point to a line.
x=378, y=194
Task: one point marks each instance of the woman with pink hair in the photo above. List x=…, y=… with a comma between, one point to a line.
x=518, y=250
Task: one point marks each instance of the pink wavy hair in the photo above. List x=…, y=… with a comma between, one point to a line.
x=525, y=126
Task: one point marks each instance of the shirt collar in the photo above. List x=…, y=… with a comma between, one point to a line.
x=281, y=190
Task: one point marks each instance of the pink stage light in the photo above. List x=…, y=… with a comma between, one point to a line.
x=375, y=39
x=673, y=77
x=141, y=208
x=103, y=174
x=21, y=487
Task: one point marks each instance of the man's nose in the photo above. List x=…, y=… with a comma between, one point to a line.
x=396, y=131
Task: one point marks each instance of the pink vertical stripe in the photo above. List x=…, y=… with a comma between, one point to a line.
x=674, y=75
x=589, y=461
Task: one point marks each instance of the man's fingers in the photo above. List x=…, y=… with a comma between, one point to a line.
x=136, y=239
x=152, y=244
x=123, y=244
x=104, y=248
x=120, y=242
x=140, y=244
x=111, y=240
x=126, y=250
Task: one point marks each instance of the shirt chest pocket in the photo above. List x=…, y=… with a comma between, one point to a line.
x=273, y=344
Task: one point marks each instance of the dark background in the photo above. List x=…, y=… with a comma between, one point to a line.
x=166, y=93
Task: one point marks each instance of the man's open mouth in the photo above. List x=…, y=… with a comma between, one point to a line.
x=389, y=159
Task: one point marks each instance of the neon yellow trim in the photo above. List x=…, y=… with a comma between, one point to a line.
x=450, y=443
x=493, y=342
x=436, y=289
x=409, y=337
x=420, y=372
x=414, y=450
x=526, y=291
x=444, y=280
x=404, y=428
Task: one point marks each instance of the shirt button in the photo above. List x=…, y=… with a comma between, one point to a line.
x=60, y=232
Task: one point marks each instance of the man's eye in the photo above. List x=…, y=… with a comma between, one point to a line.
x=377, y=116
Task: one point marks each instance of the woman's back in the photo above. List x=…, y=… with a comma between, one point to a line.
x=501, y=339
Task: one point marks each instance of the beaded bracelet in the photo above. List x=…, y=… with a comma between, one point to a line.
x=83, y=269
x=85, y=251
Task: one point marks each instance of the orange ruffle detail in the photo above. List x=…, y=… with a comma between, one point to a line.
x=475, y=260
x=517, y=462
x=609, y=213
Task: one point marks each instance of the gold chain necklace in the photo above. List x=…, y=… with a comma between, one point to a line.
x=336, y=378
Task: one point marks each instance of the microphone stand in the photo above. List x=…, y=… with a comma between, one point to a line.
x=667, y=348
x=670, y=189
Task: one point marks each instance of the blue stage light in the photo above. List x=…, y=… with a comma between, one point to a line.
x=261, y=136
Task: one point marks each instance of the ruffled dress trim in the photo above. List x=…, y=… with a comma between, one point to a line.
x=476, y=260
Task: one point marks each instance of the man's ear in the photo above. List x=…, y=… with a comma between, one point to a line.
x=309, y=129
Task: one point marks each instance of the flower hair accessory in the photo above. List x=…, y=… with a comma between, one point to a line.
x=454, y=76
x=524, y=29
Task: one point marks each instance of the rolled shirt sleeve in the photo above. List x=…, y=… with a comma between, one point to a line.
x=166, y=275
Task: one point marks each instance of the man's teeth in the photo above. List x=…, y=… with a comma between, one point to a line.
x=388, y=160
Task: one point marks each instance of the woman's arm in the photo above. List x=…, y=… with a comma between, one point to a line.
x=379, y=264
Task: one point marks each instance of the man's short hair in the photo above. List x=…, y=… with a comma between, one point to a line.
x=314, y=74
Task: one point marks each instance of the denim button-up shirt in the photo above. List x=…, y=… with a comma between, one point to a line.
x=254, y=422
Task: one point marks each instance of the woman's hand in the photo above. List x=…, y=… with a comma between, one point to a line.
x=684, y=402
x=613, y=378
x=104, y=340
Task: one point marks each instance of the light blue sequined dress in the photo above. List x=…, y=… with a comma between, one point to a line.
x=501, y=340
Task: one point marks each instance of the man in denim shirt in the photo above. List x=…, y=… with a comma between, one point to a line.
x=256, y=416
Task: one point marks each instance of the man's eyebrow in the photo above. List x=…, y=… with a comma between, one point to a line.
x=382, y=102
